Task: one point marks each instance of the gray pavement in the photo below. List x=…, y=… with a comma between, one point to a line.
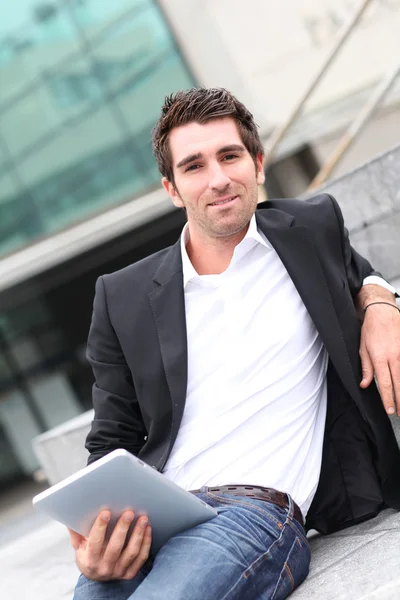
x=17, y=515
x=38, y=565
x=36, y=561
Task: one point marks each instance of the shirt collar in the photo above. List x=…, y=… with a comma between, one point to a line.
x=189, y=272
x=254, y=234
x=252, y=237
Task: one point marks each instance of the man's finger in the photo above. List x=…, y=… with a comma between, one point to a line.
x=134, y=547
x=385, y=385
x=117, y=540
x=367, y=368
x=395, y=373
x=97, y=536
x=137, y=564
x=76, y=539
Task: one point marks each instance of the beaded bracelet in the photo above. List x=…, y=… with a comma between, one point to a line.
x=388, y=303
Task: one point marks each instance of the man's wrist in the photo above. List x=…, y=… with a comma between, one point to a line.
x=373, y=293
x=382, y=303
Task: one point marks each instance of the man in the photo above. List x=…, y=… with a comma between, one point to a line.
x=230, y=362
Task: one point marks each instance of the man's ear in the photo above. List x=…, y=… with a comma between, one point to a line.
x=172, y=192
x=260, y=168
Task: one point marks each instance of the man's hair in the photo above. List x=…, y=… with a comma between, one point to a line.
x=201, y=105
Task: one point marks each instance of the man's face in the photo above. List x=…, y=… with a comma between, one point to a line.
x=215, y=177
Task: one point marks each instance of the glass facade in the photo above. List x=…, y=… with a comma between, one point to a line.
x=37, y=389
x=81, y=85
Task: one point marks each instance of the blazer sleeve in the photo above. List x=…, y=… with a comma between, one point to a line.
x=117, y=418
x=357, y=267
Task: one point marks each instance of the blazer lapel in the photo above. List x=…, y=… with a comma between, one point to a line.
x=168, y=307
x=298, y=253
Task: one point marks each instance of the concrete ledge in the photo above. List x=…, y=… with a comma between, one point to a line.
x=360, y=563
x=61, y=450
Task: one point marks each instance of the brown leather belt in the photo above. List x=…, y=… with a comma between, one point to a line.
x=256, y=491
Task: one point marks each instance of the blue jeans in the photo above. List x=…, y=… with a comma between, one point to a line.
x=252, y=550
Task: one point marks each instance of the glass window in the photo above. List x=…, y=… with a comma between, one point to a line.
x=81, y=85
x=31, y=337
x=25, y=318
x=64, y=176
x=138, y=64
x=20, y=427
x=95, y=17
x=20, y=222
x=8, y=188
x=34, y=36
x=73, y=88
x=11, y=236
x=3, y=156
x=28, y=121
x=5, y=372
x=51, y=344
x=25, y=353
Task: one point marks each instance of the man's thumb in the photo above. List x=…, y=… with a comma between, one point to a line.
x=76, y=538
x=367, y=370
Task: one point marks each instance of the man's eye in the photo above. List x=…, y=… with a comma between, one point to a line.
x=192, y=168
x=229, y=156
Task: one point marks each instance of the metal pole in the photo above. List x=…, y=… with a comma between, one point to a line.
x=280, y=131
x=356, y=126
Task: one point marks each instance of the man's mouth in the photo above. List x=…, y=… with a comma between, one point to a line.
x=223, y=201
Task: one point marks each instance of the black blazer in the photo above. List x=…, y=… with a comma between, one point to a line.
x=138, y=351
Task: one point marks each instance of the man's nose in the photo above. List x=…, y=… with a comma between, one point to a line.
x=218, y=179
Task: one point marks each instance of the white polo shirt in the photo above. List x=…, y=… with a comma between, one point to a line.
x=256, y=397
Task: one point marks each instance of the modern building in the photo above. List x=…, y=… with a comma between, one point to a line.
x=81, y=85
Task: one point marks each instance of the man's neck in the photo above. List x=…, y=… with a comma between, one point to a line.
x=213, y=256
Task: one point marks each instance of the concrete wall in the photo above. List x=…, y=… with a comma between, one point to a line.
x=370, y=200
x=268, y=51
x=381, y=133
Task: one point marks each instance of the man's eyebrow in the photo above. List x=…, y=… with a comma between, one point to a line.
x=230, y=148
x=189, y=159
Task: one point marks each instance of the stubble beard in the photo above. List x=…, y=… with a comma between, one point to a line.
x=233, y=222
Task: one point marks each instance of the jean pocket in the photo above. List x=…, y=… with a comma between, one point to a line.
x=294, y=570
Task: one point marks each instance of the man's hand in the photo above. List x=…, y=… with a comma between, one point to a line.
x=380, y=345
x=103, y=561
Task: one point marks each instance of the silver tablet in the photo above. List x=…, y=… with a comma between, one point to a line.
x=121, y=481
